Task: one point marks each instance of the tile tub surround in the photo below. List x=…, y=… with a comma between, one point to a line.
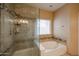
x=52, y=48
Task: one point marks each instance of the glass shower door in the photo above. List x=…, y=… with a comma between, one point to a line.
x=25, y=41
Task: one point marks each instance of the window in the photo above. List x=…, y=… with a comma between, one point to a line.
x=43, y=27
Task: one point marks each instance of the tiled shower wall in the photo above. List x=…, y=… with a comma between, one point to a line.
x=26, y=31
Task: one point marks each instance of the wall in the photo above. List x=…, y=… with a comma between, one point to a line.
x=74, y=9
x=61, y=23
x=25, y=10
x=65, y=26
x=45, y=14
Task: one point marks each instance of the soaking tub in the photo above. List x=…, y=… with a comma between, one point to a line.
x=52, y=48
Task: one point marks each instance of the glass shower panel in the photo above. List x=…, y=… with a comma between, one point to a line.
x=18, y=28
x=6, y=30
x=25, y=36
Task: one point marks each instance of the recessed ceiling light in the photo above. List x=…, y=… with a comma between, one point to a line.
x=50, y=5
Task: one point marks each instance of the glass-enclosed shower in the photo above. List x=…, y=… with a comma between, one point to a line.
x=18, y=30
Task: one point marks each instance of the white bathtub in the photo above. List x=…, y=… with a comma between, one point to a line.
x=52, y=48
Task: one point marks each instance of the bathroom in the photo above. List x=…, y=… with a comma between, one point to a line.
x=31, y=29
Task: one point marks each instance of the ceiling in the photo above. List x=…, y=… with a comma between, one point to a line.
x=47, y=6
